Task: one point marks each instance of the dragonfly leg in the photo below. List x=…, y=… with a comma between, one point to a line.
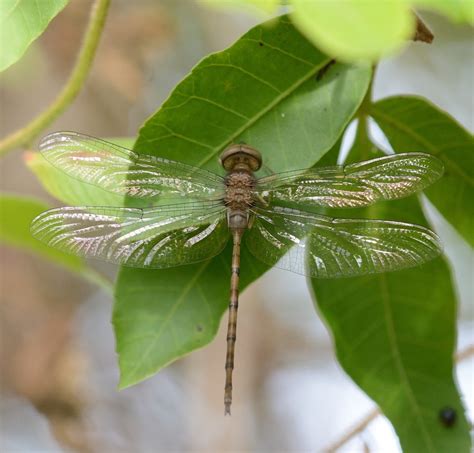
x=232, y=324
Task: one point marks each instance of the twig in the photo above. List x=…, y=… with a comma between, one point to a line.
x=25, y=135
x=356, y=429
x=374, y=413
x=465, y=353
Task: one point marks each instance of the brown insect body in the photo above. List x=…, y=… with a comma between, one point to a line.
x=240, y=161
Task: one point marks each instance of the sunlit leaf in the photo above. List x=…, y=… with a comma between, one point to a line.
x=254, y=6
x=17, y=212
x=456, y=10
x=21, y=22
x=353, y=30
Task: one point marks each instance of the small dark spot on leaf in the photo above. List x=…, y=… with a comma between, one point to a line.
x=447, y=416
x=199, y=328
x=261, y=44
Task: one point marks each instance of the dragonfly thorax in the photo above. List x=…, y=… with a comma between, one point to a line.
x=239, y=190
x=239, y=198
x=240, y=162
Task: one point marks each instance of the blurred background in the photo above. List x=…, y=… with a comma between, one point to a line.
x=58, y=365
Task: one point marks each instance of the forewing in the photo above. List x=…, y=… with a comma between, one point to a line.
x=147, y=238
x=353, y=185
x=119, y=170
x=323, y=247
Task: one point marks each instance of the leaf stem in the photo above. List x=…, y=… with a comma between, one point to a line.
x=375, y=412
x=366, y=103
x=24, y=136
x=362, y=132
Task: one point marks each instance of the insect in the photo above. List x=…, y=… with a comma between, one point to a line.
x=447, y=416
x=204, y=210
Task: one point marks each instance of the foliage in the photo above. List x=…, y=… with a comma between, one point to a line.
x=260, y=7
x=402, y=357
x=354, y=30
x=278, y=69
x=394, y=333
x=17, y=212
x=414, y=124
x=21, y=22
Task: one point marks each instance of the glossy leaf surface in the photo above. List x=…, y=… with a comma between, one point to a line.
x=264, y=90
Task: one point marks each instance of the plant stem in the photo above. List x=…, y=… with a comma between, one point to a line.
x=25, y=135
x=367, y=101
x=362, y=139
x=364, y=422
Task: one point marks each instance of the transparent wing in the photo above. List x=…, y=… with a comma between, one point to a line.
x=354, y=185
x=324, y=247
x=119, y=170
x=149, y=238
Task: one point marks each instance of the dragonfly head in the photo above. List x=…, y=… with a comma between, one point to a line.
x=241, y=157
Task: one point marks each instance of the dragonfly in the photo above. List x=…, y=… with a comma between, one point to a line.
x=205, y=210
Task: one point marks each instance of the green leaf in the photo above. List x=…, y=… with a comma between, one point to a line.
x=456, y=10
x=413, y=124
x=21, y=22
x=260, y=7
x=72, y=191
x=264, y=90
x=66, y=189
x=353, y=30
x=16, y=214
x=395, y=335
x=160, y=316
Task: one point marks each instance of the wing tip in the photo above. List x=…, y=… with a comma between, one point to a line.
x=63, y=136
